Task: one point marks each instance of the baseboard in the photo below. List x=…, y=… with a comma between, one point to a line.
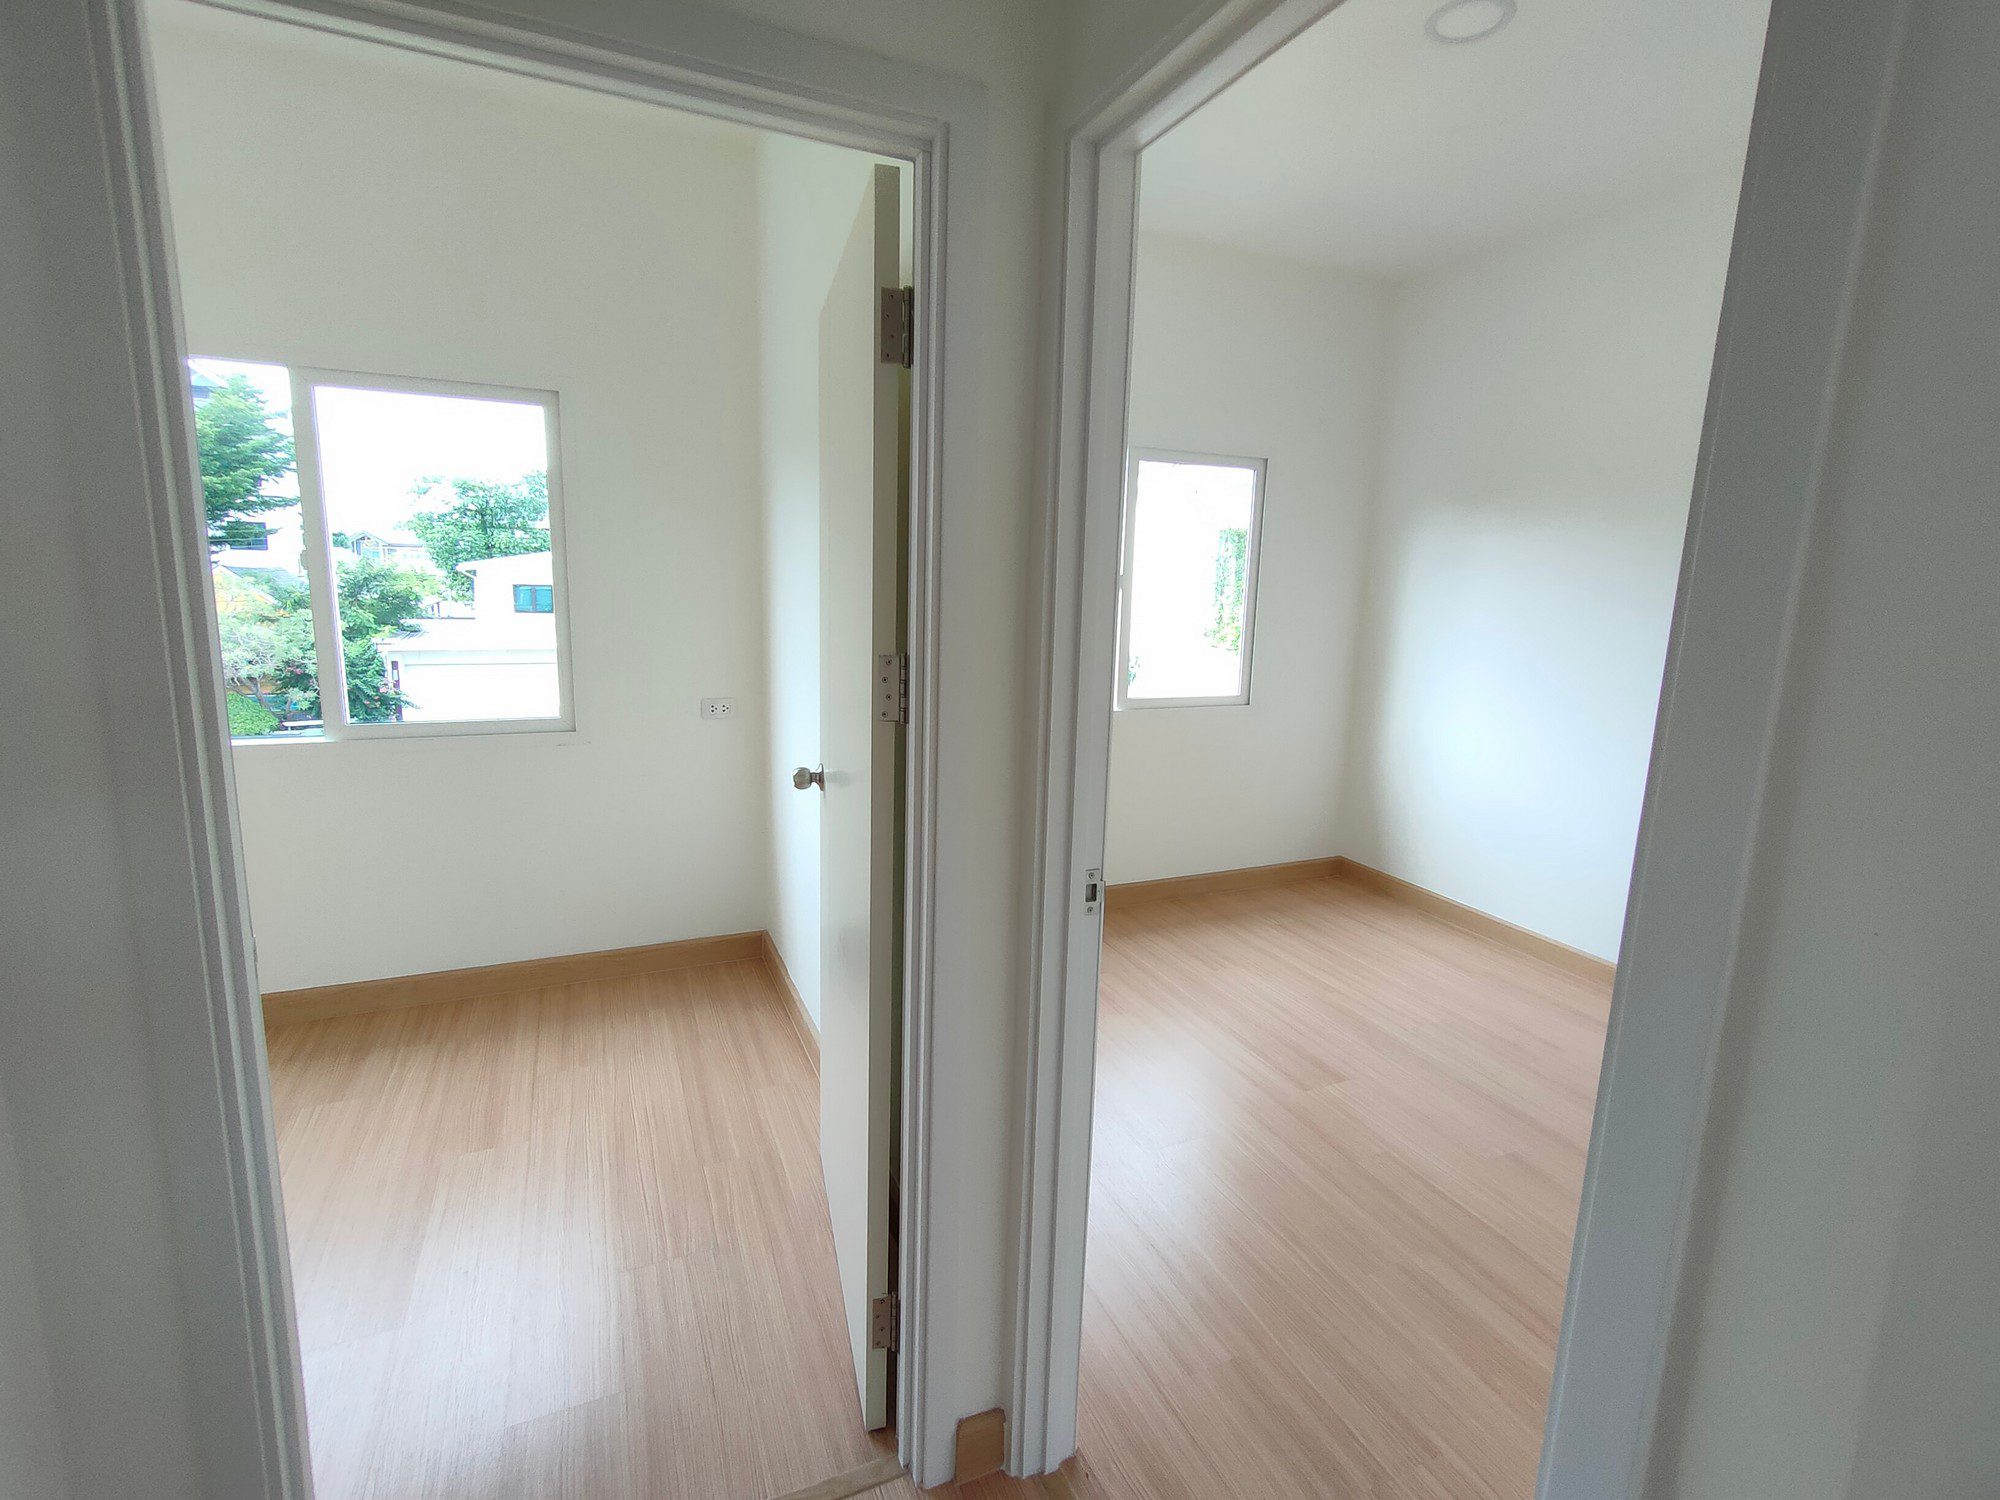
x=1134, y=892
x=1561, y=955
x=802, y=1020
x=325, y=1001
x=1340, y=867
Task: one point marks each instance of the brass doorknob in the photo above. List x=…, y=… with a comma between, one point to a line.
x=802, y=778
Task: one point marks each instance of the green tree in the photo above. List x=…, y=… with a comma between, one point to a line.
x=370, y=699
x=251, y=651
x=296, y=670
x=241, y=451
x=249, y=719
x=1232, y=576
x=484, y=520
x=378, y=601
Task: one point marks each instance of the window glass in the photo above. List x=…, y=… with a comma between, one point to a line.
x=1189, y=585
x=402, y=539
x=437, y=507
x=256, y=547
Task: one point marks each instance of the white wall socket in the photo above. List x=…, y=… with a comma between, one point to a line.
x=718, y=708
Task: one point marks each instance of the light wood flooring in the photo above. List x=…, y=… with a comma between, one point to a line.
x=574, y=1243
x=567, y=1243
x=1338, y=1149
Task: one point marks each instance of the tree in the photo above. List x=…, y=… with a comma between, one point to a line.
x=248, y=718
x=379, y=599
x=251, y=651
x=370, y=699
x=1232, y=551
x=484, y=520
x=241, y=451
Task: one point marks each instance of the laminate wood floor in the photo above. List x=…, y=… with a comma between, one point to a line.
x=1338, y=1150
x=573, y=1243
x=565, y=1243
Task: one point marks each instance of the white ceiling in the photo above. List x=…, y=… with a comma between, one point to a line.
x=1365, y=145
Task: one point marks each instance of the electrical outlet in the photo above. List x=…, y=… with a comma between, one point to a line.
x=718, y=708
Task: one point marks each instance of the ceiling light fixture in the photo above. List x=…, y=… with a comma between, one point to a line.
x=1468, y=20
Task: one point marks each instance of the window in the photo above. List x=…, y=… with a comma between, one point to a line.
x=402, y=545
x=1188, y=589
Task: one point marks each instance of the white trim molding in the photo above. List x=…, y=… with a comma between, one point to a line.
x=1805, y=198
x=1801, y=219
x=212, y=1073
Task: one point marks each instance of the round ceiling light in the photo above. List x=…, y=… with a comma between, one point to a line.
x=1468, y=20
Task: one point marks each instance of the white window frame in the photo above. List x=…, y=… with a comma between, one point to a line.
x=1133, y=458
x=335, y=725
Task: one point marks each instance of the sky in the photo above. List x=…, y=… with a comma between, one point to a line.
x=377, y=447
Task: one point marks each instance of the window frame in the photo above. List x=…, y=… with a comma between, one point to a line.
x=1253, y=550
x=337, y=727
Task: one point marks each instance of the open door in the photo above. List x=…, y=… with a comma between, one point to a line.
x=862, y=484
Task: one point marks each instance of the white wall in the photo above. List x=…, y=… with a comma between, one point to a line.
x=1245, y=355
x=97, y=1379
x=1537, y=464
x=1840, y=1331
x=31, y=1459
x=1479, y=484
x=528, y=235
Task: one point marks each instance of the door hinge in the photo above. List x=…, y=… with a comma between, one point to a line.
x=883, y=1322
x=899, y=325
x=1093, y=890
x=892, y=688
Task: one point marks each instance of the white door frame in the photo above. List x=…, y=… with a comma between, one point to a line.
x=1805, y=201
x=234, y=1267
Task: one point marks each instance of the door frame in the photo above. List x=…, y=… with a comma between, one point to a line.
x=234, y=1266
x=1801, y=220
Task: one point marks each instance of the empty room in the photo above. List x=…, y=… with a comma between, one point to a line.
x=1424, y=313
x=564, y=559
x=536, y=430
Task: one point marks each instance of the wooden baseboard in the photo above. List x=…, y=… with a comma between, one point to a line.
x=1575, y=960
x=324, y=1001
x=1133, y=892
x=1340, y=867
x=802, y=1020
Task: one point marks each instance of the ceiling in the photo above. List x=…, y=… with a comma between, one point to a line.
x=1367, y=146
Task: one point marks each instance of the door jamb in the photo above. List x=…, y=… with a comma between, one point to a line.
x=1802, y=216
x=235, y=1267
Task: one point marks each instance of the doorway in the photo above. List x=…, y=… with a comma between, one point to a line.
x=1197, y=781
x=481, y=441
